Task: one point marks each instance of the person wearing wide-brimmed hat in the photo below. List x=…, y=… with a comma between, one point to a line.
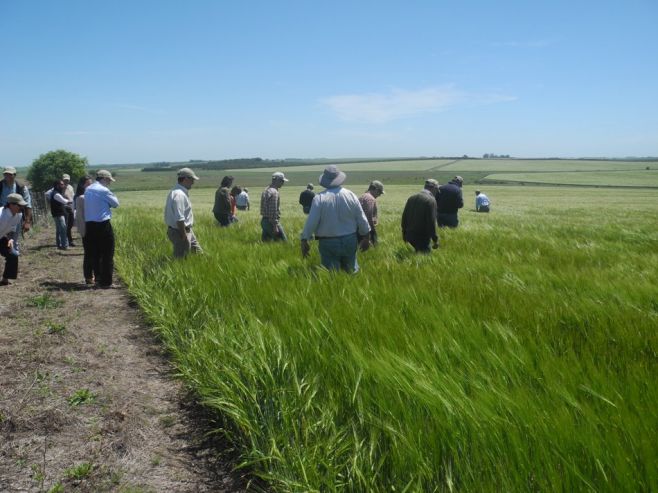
x=99, y=202
x=368, y=203
x=448, y=202
x=9, y=185
x=337, y=220
x=10, y=217
x=270, y=210
x=179, y=217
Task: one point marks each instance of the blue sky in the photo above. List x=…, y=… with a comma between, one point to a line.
x=145, y=81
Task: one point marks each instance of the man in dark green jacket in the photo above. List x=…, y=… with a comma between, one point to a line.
x=419, y=218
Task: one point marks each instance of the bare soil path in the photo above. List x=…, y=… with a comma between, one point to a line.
x=88, y=401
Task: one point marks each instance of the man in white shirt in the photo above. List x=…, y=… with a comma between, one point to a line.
x=10, y=216
x=336, y=217
x=482, y=202
x=179, y=217
x=242, y=200
x=70, y=215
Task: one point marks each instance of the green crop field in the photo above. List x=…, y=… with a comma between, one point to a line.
x=520, y=356
x=539, y=165
x=637, y=178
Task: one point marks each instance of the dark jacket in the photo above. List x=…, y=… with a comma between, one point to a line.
x=57, y=209
x=449, y=199
x=306, y=199
x=419, y=217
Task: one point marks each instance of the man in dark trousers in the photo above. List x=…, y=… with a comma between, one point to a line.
x=448, y=201
x=419, y=218
x=306, y=198
x=99, y=201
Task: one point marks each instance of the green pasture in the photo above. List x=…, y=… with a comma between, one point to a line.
x=636, y=178
x=520, y=356
x=543, y=165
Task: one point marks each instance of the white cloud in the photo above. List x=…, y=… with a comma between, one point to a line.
x=401, y=103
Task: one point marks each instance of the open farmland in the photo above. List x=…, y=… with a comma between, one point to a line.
x=521, y=356
x=636, y=178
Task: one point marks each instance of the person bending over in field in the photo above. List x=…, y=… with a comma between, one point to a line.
x=336, y=217
x=368, y=203
x=419, y=218
x=270, y=211
x=482, y=202
x=179, y=217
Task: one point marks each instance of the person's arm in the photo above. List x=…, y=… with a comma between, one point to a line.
x=112, y=200
x=60, y=198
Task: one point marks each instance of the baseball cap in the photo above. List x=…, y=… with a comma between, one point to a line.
x=187, y=173
x=66, y=176
x=458, y=179
x=16, y=198
x=9, y=169
x=103, y=173
x=277, y=175
x=432, y=182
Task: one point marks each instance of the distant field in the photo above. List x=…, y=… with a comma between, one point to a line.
x=636, y=178
x=411, y=165
x=511, y=165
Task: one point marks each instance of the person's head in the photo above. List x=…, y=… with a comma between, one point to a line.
x=245, y=190
x=458, y=180
x=477, y=192
x=376, y=188
x=227, y=181
x=309, y=186
x=235, y=191
x=83, y=183
x=58, y=185
x=66, y=178
x=278, y=179
x=332, y=177
x=104, y=177
x=432, y=185
x=9, y=175
x=15, y=202
x=186, y=177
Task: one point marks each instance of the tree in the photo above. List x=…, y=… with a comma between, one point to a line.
x=52, y=165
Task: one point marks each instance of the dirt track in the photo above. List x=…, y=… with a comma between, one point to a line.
x=84, y=382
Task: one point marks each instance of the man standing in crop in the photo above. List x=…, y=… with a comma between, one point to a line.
x=448, y=201
x=9, y=185
x=99, y=202
x=270, y=210
x=368, y=203
x=336, y=217
x=179, y=217
x=306, y=198
x=419, y=218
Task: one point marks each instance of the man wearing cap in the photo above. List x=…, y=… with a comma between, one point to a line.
x=270, y=210
x=306, y=198
x=336, y=217
x=179, y=217
x=99, y=201
x=419, y=218
x=368, y=203
x=68, y=209
x=448, y=201
x=9, y=185
x=482, y=202
x=10, y=217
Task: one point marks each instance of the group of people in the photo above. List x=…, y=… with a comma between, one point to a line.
x=340, y=221
x=15, y=220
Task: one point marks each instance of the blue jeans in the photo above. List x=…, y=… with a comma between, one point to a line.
x=268, y=231
x=60, y=232
x=339, y=253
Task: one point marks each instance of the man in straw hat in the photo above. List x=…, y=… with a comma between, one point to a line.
x=336, y=217
x=179, y=217
x=10, y=217
x=99, y=202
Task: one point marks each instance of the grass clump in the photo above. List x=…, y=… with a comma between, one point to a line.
x=81, y=397
x=79, y=471
x=44, y=301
